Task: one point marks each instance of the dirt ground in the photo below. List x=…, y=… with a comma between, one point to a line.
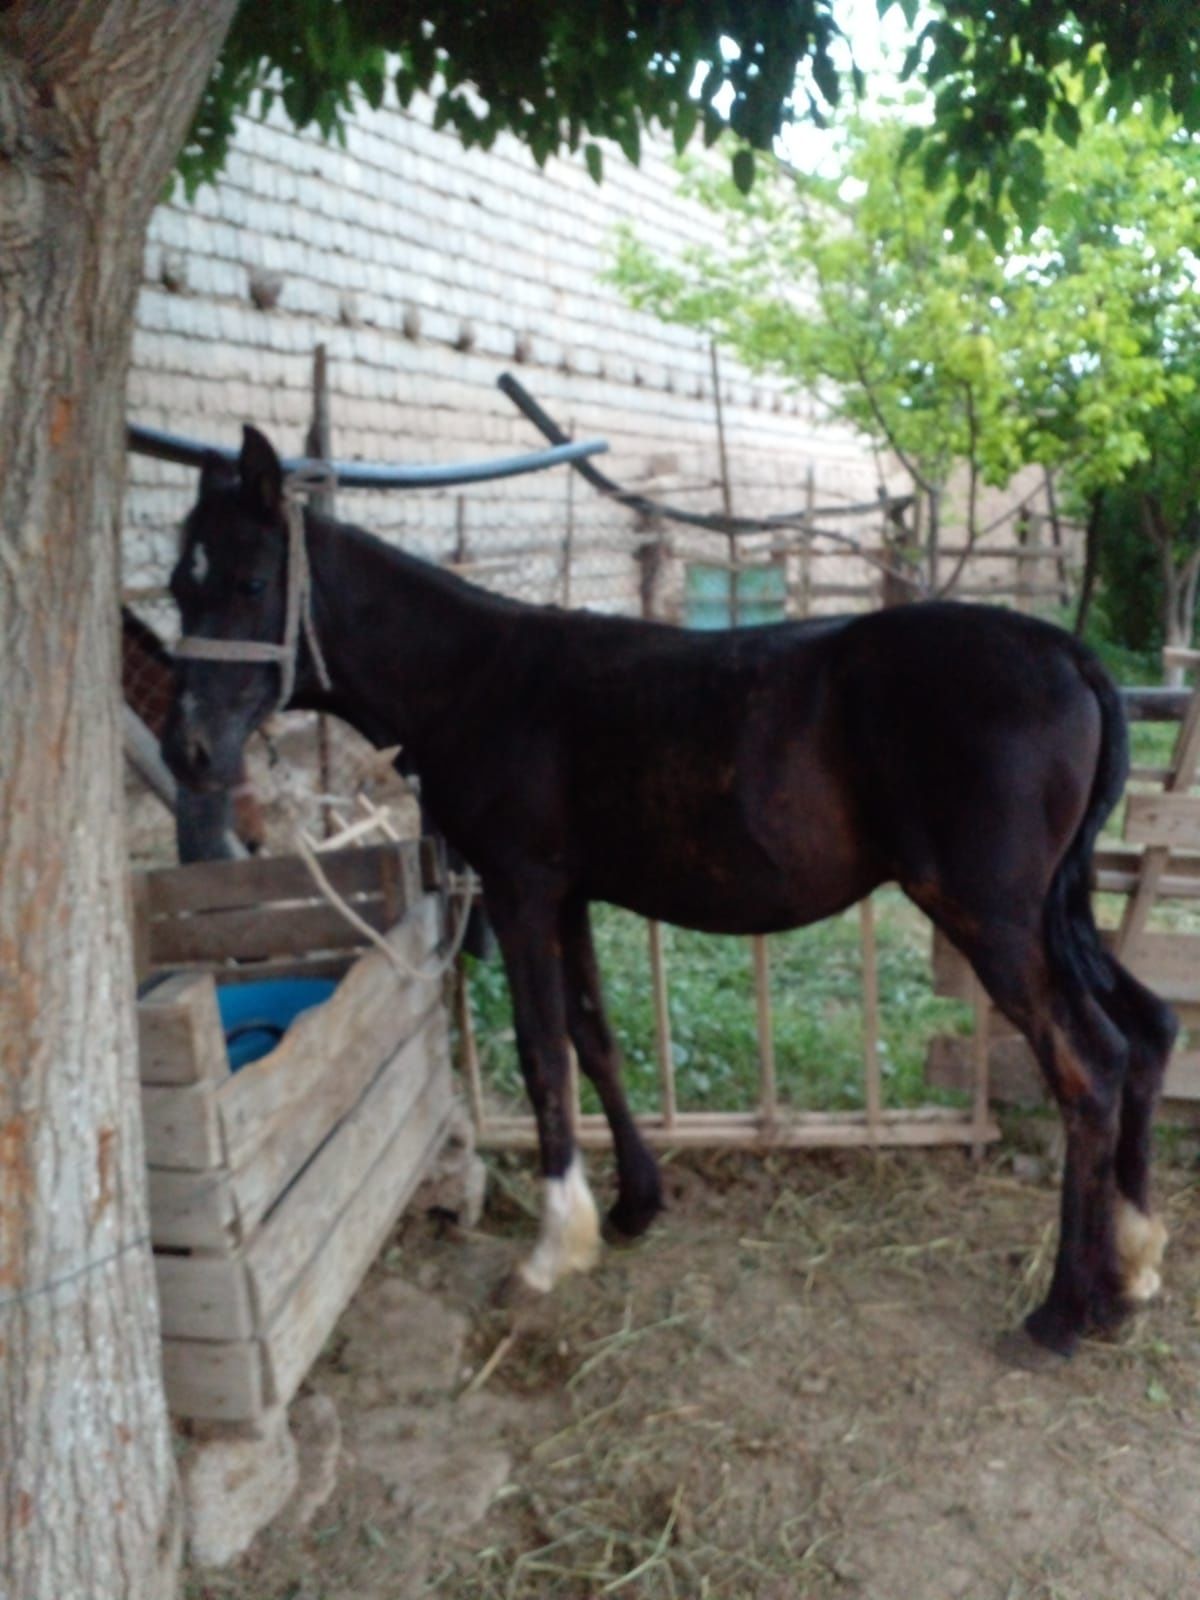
x=795, y=1386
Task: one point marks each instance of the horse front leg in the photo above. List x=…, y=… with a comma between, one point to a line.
x=527, y=929
x=639, y=1188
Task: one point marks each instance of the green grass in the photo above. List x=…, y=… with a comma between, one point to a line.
x=816, y=992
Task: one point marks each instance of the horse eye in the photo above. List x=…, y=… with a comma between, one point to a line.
x=252, y=586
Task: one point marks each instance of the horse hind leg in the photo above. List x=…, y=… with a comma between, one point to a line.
x=1149, y=1027
x=639, y=1187
x=1083, y=1057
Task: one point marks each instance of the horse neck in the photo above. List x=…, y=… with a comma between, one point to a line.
x=404, y=642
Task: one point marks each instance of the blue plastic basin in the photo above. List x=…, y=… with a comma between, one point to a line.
x=255, y=1016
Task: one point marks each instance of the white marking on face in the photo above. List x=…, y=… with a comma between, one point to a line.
x=1141, y=1240
x=188, y=703
x=199, y=562
x=570, y=1236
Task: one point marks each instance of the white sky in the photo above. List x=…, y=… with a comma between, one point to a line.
x=878, y=45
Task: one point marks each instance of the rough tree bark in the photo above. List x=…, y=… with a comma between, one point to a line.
x=95, y=97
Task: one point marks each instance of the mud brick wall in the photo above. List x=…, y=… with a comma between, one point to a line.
x=427, y=270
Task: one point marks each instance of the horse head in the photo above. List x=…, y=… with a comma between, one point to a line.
x=235, y=661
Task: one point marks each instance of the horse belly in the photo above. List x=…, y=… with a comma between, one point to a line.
x=725, y=862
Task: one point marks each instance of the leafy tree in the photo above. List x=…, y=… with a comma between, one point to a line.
x=1116, y=403
x=1067, y=349
x=555, y=75
x=1003, y=75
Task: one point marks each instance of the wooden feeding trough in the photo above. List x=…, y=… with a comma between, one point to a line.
x=272, y=1187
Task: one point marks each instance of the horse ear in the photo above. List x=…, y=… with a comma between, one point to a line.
x=260, y=472
x=215, y=473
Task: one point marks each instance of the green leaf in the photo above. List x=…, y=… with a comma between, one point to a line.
x=743, y=169
x=593, y=155
x=1066, y=124
x=686, y=120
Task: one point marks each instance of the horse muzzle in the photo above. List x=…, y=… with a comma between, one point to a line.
x=196, y=757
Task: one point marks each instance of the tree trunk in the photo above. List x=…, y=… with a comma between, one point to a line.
x=95, y=97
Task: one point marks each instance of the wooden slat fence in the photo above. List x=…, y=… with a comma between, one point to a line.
x=767, y=1123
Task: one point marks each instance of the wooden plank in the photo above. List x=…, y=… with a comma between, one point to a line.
x=213, y=1382
x=262, y=932
x=662, y=1023
x=228, y=885
x=1149, y=774
x=872, y=1084
x=180, y=1038
x=139, y=923
x=1156, y=704
x=812, y=1131
x=1183, y=1076
x=467, y=1047
x=1118, y=870
x=1013, y=1075
x=192, y=1210
x=296, y=1228
x=293, y=1340
x=431, y=873
x=203, y=1297
x=768, y=1097
x=1169, y=820
x=295, y=966
x=181, y=1127
x=1169, y=963
x=276, y=1111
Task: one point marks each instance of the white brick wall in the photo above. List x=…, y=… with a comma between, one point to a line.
x=404, y=222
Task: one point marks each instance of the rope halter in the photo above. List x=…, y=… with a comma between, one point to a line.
x=298, y=615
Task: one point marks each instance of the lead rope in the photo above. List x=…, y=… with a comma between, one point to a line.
x=461, y=886
x=299, y=617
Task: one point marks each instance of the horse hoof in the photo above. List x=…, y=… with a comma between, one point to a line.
x=1141, y=1240
x=1051, y=1330
x=627, y=1221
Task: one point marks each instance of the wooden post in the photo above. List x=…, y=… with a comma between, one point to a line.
x=806, y=541
x=662, y=1025
x=1155, y=858
x=460, y=531
x=980, y=1041
x=468, y=1050
x=573, y=1100
x=726, y=489
x=569, y=534
x=870, y=985
x=768, y=1096
x=318, y=444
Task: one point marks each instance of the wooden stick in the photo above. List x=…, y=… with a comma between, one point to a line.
x=469, y=1051
x=662, y=1025
x=768, y=1096
x=980, y=1041
x=489, y=1366
x=573, y=1100
x=870, y=983
x=814, y=1131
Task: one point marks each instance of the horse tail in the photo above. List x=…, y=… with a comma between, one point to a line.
x=1072, y=938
